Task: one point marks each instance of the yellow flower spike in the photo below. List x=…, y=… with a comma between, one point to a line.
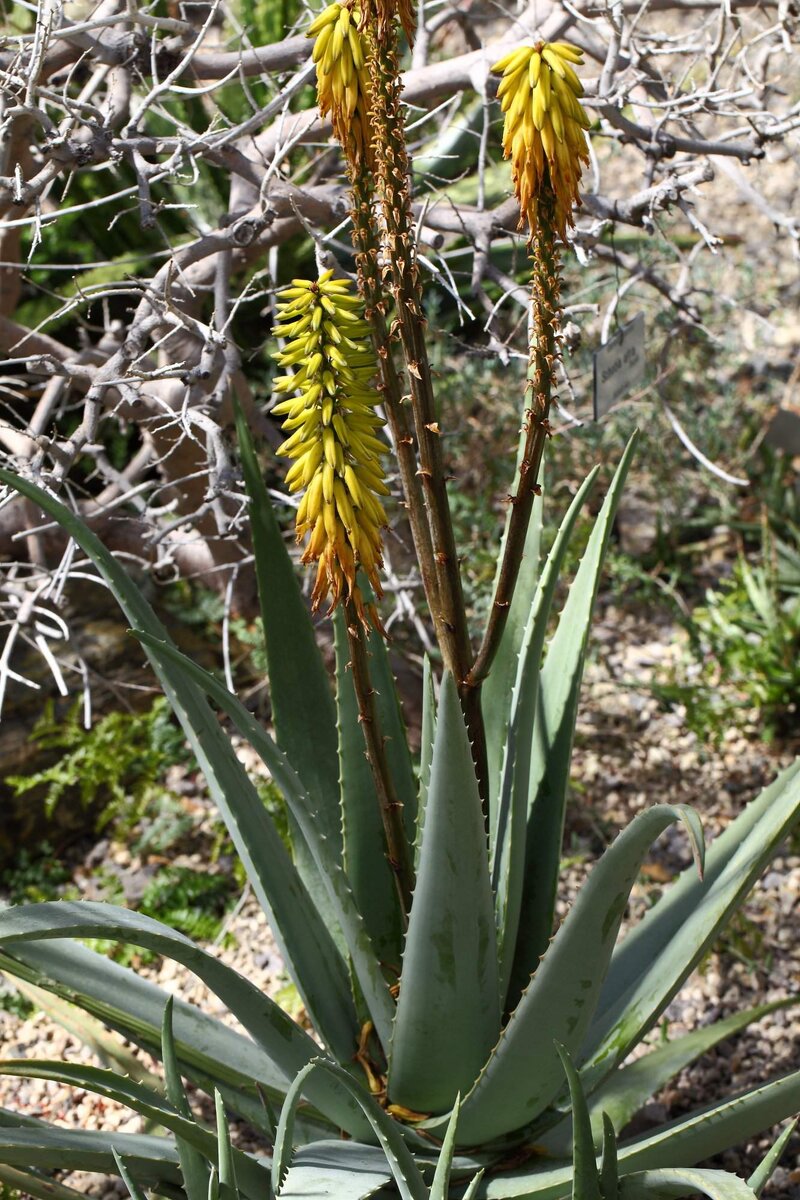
x=343, y=91
x=543, y=132
x=332, y=427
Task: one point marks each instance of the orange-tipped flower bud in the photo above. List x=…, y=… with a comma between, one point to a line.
x=343, y=87
x=545, y=122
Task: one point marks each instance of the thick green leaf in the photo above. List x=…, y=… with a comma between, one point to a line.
x=336, y=1171
x=623, y=1093
x=9, y=1119
x=106, y=1045
x=427, y=734
x=365, y=860
x=681, y=1143
x=194, y=1165
x=509, y=816
x=228, y=1158
x=300, y=691
x=134, y=1190
x=557, y=707
x=52, y=1147
x=287, y=1044
x=474, y=1185
x=717, y=1185
x=448, y=1012
x=524, y=1072
x=763, y=1172
x=41, y=1187
x=659, y=953
x=304, y=940
x=362, y=953
x=711, y=1130
x=585, y=1179
x=497, y=688
x=207, y=1050
x=440, y=1188
x=143, y=1100
x=609, y=1167
x=405, y=1172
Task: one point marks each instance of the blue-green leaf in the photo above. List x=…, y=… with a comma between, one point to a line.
x=52, y=1147
x=763, y=1172
x=227, y=1156
x=404, y=1170
x=134, y=1190
x=336, y=1171
x=39, y=1186
x=304, y=940
x=392, y=722
x=717, y=1185
x=427, y=734
x=194, y=1167
x=440, y=1188
x=287, y=1044
x=300, y=691
x=624, y=1092
x=524, y=1072
x=448, y=1013
x=557, y=707
x=585, y=1180
x=373, y=985
x=683, y=1143
x=711, y=1130
x=208, y=1051
x=509, y=815
x=657, y=955
x=609, y=1168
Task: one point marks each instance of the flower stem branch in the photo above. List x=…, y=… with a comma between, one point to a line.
x=545, y=310
x=365, y=241
x=393, y=168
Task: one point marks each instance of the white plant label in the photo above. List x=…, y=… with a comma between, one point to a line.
x=619, y=366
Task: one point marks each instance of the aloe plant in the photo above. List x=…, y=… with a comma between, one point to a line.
x=463, y=1044
x=439, y=1065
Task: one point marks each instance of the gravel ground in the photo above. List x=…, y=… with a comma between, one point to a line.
x=629, y=753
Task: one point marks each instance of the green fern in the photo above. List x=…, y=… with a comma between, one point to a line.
x=115, y=763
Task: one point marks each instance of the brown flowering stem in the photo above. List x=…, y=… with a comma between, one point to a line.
x=402, y=274
x=398, y=851
x=365, y=242
x=546, y=307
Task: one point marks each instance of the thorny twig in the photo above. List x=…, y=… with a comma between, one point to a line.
x=119, y=115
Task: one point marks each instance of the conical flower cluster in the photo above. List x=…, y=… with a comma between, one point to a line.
x=544, y=126
x=333, y=429
x=343, y=87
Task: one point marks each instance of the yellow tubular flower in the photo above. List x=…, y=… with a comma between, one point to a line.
x=332, y=442
x=545, y=123
x=343, y=88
